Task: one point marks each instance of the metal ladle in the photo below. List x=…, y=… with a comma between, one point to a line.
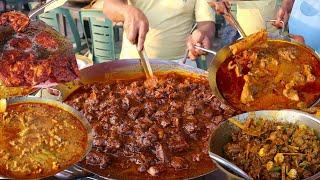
x=45, y=7
x=229, y=165
x=236, y=24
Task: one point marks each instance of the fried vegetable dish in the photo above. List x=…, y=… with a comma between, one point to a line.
x=270, y=75
x=38, y=140
x=278, y=151
x=150, y=130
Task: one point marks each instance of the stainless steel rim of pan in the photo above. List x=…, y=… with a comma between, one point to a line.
x=221, y=135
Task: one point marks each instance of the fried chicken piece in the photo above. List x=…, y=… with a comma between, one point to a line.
x=17, y=20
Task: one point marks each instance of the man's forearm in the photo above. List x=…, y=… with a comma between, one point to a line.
x=115, y=10
x=207, y=27
x=287, y=5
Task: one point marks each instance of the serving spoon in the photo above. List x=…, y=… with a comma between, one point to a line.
x=229, y=165
x=236, y=25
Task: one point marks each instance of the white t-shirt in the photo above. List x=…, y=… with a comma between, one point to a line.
x=170, y=23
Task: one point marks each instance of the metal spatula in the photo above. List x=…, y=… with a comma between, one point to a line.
x=46, y=7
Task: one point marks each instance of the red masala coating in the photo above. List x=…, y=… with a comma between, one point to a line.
x=17, y=20
x=36, y=55
x=46, y=40
x=21, y=43
x=143, y=132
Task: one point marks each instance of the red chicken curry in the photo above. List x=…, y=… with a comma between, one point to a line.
x=272, y=75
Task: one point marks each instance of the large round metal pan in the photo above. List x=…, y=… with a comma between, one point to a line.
x=80, y=1
x=64, y=107
x=127, y=69
x=222, y=135
x=224, y=53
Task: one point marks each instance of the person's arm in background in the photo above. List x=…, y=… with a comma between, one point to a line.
x=221, y=8
x=135, y=23
x=283, y=13
x=205, y=31
x=202, y=37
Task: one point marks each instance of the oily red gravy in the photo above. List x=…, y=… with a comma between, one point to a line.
x=270, y=76
x=143, y=131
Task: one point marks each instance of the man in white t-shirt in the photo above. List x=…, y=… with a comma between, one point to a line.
x=162, y=27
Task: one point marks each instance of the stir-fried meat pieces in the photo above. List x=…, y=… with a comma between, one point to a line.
x=98, y=159
x=134, y=112
x=156, y=130
x=17, y=20
x=155, y=170
x=282, y=151
x=36, y=54
x=177, y=143
x=162, y=153
x=179, y=163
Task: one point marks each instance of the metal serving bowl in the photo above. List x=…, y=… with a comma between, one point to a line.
x=222, y=135
x=64, y=107
x=224, y=53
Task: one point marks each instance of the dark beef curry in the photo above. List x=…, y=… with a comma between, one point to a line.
x=280, y=151
x=39, y=140
x=273, y=75
x=144, y=131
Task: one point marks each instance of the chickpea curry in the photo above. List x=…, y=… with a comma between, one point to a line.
x=39, y=140
x=270, y=75
x=279, y=151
